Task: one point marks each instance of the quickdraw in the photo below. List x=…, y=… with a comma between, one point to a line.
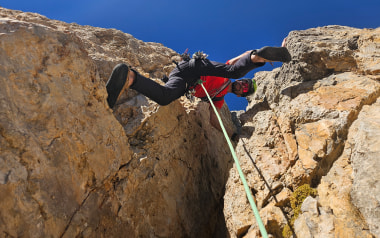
x=191, y=91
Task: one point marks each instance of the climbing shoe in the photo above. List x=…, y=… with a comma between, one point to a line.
x=274, y=53
x=117, y=83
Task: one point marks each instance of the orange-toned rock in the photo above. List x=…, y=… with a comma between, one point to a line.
x=72, y=167
x=313, y=101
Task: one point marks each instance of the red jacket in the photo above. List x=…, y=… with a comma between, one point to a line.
x=213, y=84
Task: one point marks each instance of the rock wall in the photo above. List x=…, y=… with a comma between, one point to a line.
x=72, y=167
x=314, y=121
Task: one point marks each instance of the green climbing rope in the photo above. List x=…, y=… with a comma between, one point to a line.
x=245, y=184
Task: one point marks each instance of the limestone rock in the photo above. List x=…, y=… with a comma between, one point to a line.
x=341, y=202
x=59, y=141
x=72, y=167
x=365, y=190
x=297, y=130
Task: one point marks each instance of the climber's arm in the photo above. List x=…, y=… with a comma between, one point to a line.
x=234, y=60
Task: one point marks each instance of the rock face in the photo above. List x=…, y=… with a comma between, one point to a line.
x=314, y=121
x=72, y=167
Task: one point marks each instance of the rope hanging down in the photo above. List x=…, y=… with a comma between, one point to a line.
x=245, y=184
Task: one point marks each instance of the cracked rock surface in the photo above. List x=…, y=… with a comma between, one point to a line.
x=314, y=121
x=72, y=167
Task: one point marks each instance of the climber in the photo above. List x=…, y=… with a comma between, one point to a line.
x=185, y=76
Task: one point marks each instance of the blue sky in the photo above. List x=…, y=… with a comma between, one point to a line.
x=222, y=29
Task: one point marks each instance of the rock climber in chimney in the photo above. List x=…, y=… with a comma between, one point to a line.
x=184, y=78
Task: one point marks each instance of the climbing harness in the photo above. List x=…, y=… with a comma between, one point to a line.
x=263, y=231
x=185, y=56
x=199, y=55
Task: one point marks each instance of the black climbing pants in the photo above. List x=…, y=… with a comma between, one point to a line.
x=185, y=75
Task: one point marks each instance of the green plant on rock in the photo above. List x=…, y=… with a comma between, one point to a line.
x=296, y=200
